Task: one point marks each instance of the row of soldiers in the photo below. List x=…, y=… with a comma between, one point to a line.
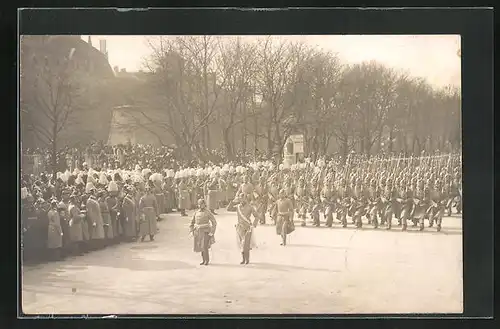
x=86, y=218
x=427, y=193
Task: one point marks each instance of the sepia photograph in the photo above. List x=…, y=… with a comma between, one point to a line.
x=240, y=174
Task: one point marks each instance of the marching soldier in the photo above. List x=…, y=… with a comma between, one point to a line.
x=261, y=194
x=343, y=196
x=373, y=203
x=387, y=201
x=273, y=196
x=359, y=203
x=327, y=198
x=301, y=201
x=316, y=206
x=246, y=187
x=284, y=223
x=437, y=205
x=408, y=205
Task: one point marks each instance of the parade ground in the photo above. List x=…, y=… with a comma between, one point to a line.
x=321, y=270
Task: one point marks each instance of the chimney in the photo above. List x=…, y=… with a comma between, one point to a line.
x=90, y=40
x=102, y=47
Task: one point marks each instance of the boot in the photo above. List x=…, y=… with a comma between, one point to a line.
x=151, y=237
x=438, y=227
x=243, y=258
x=142, y=238
x=247, y=257
x=421, y=226
x=207, y=258
x=404, y=227
x=204, y=259
x=283, y=240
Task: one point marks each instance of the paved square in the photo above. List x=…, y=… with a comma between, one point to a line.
x=322, y=270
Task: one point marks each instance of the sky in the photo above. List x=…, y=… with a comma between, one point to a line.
x=434, y=57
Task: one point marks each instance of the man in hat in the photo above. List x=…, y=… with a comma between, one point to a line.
x=113, y=205
x=106, y=217
x=62, y=208
x=273, y=195
x=436, y=205
x=327, y=200
x=169, y=193
x=55, y=233
x=301, y=203
x=387, y=200
x=31, y=242
x=359, y=202
x=373, y=203
x=343, y=197
x=244, y=227
x=315, y=209
x=75, y=224
x=246, y=187
x=261, y=195
x=148, y=208
x=127, y=214
x=184, y=202
x=94, y=216
x=203, y=227
x=212, y=188
x=284, y=223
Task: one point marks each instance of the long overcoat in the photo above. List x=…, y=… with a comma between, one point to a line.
x=148, y=208
x=54, y=240
x=95, y=219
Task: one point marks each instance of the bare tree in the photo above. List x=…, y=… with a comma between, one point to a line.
x=276, y=83
x=237, y=64
x=185, y=89
x=50, y=94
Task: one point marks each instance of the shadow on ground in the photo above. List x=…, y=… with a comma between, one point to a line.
x=275, y=267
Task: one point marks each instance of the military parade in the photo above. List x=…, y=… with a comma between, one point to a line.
x=90, y=208
x=238, y=174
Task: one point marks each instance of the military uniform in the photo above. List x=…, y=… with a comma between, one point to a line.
x=284, y=224
x=203, y=226
x=244, y=229
x=327, y=195
x=373, y=203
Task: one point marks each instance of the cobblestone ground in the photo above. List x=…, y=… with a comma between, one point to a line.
x=322, y=270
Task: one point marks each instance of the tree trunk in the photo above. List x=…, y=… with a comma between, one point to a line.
x=269, y=139
x=344, y=148
x=245, y=129
x=255, y=136
x=391, y=137
x=227, y=143
x=53, y=155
